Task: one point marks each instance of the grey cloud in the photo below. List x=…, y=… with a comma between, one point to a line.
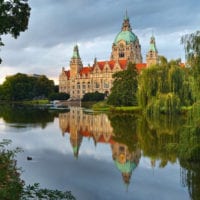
x=54, y=22
x=66, y=22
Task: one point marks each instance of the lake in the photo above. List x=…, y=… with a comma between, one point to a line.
x=105, y=156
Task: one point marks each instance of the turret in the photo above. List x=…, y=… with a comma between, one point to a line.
x=75, y=63
x=152, y=55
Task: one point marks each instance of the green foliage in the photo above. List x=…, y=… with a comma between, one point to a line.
x=125, y=130
x=96, y=96
x=25, y=115
x=191, y=44
x=58, y=96
x=164, y=88
x=164, y=103
x=14, y=17
x=13, y=188
x=23, y=87
x=35, y=192
x=126, y=109
x=101, y=106
x=123, y=92
x=11, y=185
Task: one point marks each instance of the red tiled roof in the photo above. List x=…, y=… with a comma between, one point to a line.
x=102, y=140
x=88, y=134
x=85, y=70
x=141, y=66
x=111, y=64
x=182, y=65
x=123, y=64
x=85, y=133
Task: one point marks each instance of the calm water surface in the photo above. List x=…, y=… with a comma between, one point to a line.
x=100, y=156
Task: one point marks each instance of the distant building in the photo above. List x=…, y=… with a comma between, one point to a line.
x=126, y=48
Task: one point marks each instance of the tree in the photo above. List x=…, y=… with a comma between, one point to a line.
x=163, y=88
x=95, y=96
x=191, y=44
x=123, y=92
x=23, y=87
x=43, y=86
x=14, y=17
x=58, y=96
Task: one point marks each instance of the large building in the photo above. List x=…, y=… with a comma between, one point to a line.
x=126, y=48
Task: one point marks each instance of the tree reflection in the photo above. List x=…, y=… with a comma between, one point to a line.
x=164, y=139
x=24, y=115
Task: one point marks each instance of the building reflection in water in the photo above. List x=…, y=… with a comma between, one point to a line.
x=98, y=127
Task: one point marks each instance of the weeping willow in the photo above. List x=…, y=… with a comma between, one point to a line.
x=191, y=44
x=164, y=88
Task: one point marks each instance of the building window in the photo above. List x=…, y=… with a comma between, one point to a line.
x=96, y=85
x=121, y=51
x=106, y=84
x=78, y=85
x=83, y=85
x=121, y=149
x=121, y=54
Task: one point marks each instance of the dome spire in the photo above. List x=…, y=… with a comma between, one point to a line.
x=76, y=52
x=126, y=15
x=126, y=25
x=153, y=44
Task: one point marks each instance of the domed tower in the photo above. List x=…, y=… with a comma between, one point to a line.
x=152, y=55
x=75, y=63
x=126, y=45
x=76, y=140
x=125, y=160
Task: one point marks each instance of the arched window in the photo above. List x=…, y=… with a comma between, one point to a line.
x=83, y=85
x=121, y=51
x=78, y=85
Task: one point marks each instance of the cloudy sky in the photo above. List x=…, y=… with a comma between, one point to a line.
x=55, y=26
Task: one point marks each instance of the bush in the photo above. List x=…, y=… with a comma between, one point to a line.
x=58, y=96
x=96, y=96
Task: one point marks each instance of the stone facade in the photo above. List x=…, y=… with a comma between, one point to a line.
x=126, y=48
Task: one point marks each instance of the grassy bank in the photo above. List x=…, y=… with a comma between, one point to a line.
x=103, y=106
x=126, y=109
x=36, y=102
x=28, y=102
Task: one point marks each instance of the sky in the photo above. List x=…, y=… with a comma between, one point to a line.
x=55, y=26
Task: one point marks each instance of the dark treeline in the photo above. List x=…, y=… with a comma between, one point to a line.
x=22, y=115
x=23, y=87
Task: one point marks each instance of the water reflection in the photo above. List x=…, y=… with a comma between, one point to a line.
x=20, y=116
x=166, y=142
x=163, y=140
x=98, y=127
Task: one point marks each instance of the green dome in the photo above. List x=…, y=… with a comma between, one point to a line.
x=127, y=36
x=127, y=167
